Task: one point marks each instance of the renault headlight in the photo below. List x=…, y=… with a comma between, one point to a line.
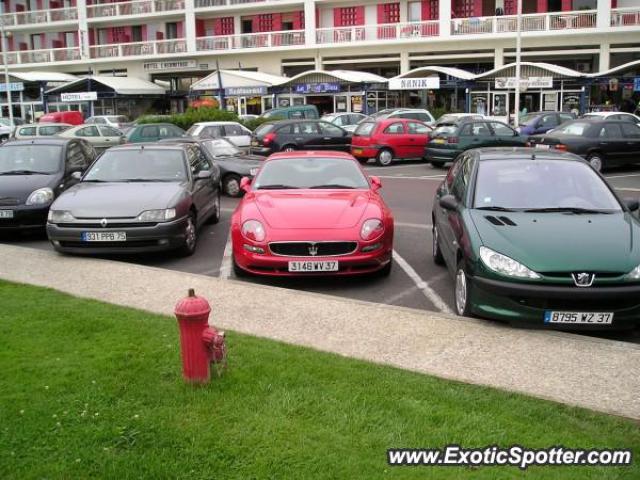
x=634, y=274
x=42, y=196
x=163, y=215
x=60, y=216
x=504, y=265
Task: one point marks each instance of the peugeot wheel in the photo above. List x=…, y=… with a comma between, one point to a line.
x=215, y=216
x=190, y=236
x=385, y=157
x=435, y=249
x=231, y=185
x=462, y=292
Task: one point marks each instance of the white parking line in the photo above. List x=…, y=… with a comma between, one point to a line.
x=227, y=210
x=428, y=292
x=422, y=226
x=225, y=265
x=623, y=176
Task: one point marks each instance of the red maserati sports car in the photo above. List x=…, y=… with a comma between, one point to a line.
x=311, y=213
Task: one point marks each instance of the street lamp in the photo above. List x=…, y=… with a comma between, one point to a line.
x=516, y=120
x=5, y=47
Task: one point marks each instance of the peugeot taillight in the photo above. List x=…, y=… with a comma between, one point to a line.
x=560, y=147
x=268, y=138
x=452, y=140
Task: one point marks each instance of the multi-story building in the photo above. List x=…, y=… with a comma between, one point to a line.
x=181, y=41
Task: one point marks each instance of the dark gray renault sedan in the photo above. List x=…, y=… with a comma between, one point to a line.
x=138, y=198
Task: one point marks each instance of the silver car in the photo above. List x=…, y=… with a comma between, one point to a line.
x=100, y=136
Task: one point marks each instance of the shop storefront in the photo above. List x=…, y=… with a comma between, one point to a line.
x=27, y=93
x=99, y=95
x=336, y=91
x=543, y=87
x=241, y=91
x=617, y=89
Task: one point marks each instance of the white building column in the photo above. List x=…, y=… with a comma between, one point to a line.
x=83, y=29
x=604, y=57
x=190, y=25
x=444, y=14
x=405, y=65
x=318, y=61
x=498, y=60
x=603, y=14
x=404, y=11
x=310, y=22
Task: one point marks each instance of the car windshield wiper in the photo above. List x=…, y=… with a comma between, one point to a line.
x=496, y=208
x=145, y=180
x=333, y=185
x=576, y=210
x=276, y=187
x=24, y=172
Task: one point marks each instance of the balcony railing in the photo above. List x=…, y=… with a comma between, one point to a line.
x=39, y=16
x=251, y=40
x=625, y=17
x=43, y=56
x=536, y=22
x=135, y=49
x=227, y=3
x=139, y=7
x=385, y=31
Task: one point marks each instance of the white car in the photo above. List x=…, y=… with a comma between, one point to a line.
x=33, y=130
x=419, y=114
x=348, y=121
x=622, y=116
x=115, y=121
x=7, y=129
x=99, y=136
x=238, y=134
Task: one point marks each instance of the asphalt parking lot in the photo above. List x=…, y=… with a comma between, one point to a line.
x=415, y=280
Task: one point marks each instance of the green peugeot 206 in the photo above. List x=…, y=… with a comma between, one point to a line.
x=538, y=238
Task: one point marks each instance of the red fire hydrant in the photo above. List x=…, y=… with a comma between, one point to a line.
x=201, y=346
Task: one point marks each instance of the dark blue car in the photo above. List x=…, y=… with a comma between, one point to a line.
x=541, y=122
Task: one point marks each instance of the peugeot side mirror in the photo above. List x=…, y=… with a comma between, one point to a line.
x=245, y=184
x=376, y=183
x=203, y=174
x=632, y=204
x=77, y=175
x=449, y=202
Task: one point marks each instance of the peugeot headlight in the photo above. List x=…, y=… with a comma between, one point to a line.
x=634, y=274
x=504, y=265
x=42, y=196
x=60, y=216
x=157, y=215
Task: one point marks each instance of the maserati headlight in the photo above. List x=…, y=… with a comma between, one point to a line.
x=371, y=229
x=504, y=265
x=254, y=230
x=60, y=216
x=634, y=274
x=157, y=215
x=42, y=196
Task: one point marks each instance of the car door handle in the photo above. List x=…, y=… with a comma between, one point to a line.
x=604, y=143
x=327, y=138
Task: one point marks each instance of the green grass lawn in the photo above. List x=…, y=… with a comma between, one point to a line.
x=89, y=390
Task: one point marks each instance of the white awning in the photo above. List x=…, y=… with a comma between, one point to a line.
x=621, y=68
x=449, y=71
x=43, y=77
x=556, y=70
x=345, y=76
x=120, y=85
x=237, y=79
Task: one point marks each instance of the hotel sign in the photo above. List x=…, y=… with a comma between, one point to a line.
x=424, y=83
x=531, y=82
x=171, y=65
x=78, y=97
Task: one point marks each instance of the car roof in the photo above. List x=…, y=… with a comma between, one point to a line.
x=213, y=124
x=521, y=153
x=42, y=141
x=309, y=154
x=164, y=124
x=606, y=114
x=150, y=146
x=45, y=124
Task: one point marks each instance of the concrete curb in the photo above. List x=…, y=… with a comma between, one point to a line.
x=583, y=371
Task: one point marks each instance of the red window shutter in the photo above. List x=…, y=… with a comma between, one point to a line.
x=542, y=6
x=382, y=17
x=217, y=26
x=426, y=10
x=298, y=20
x=337, y=17
x=277, y=22
x=509, y=7
x=159, y=35
x=359, y=17
x=200, y=29
x=567, y=5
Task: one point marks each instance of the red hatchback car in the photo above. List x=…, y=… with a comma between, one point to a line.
x=388, y=139
x=311, y=213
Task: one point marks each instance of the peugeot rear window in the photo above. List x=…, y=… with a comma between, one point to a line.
x=264, y=129
x=577, y=128
x=364, y=129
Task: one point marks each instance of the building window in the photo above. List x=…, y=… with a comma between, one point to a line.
x=223, y=26
x=350, y=16
x=119, y=35
x=389, y=13
x=265, y=22
x=171, y=29
x=464, y=8
x=415, y=11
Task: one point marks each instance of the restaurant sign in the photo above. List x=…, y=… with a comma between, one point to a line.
x=531, y=82
x=316, y=87
x=245, y=91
